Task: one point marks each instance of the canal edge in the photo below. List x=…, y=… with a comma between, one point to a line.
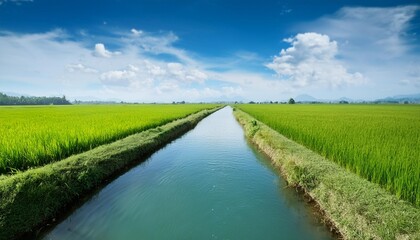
x=33, y=198
x=353, y=207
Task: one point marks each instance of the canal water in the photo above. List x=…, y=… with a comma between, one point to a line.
x=208, y=184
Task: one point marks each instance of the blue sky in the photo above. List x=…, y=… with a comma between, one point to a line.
x=164, y=51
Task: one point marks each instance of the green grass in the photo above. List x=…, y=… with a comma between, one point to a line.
x=378, y=142
x=35, y=136
x=29, y=199
x=358, y=209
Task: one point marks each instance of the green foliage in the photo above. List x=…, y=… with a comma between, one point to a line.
x=291, y=101
x=31, y=198
x=358, y=209
x=10, y=100
x=378, y=142
x=35, y=136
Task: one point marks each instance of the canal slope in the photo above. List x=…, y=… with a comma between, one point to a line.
x=208, y=184
x=358, y=208
x=29, y=199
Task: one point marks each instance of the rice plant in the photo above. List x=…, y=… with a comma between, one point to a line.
x=34, y=136
x=378, y=142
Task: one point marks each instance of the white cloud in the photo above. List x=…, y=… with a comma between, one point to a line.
x=120, y=77
x=377, y=42
x=101, y=51
x=254, y=86
x=176, y=69
x=41, y=59
x=196, y=75
x=167, y=86
x=247, y=56
x=181, y=72
x=66, y=66
x=81, y=68
x=133, y=68
x=153, y=69
x=311, y=60
x=136, y=32
x=383, y=30
x=158, y=43
x=142, y=71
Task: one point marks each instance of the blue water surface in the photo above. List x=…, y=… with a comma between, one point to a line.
x=208, y=184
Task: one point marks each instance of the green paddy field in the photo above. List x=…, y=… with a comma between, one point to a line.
x=378, y=142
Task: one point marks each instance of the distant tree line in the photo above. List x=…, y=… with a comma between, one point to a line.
x=11, y=100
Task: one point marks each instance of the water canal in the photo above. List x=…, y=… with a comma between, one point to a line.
x=208, y=184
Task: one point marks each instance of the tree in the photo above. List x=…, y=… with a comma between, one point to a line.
x=291, y=101
x=22, y=100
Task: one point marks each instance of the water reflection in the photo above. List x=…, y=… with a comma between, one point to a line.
x=208, y=184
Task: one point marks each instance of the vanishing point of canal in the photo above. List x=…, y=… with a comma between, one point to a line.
x=208, y=184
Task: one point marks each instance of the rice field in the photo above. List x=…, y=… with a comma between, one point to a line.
x=34, y=136
x=378, y=142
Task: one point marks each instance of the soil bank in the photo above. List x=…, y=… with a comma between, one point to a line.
x=357, y=208
x=30, y=198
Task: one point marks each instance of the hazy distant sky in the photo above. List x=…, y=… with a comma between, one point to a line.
x=206, y=50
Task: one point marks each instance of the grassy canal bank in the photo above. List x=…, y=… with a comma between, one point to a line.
x=31, y=198
x=357, y=208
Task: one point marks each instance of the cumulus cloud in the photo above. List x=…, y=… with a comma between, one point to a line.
x=136, y=32
x=65, y=66
x=163, y=76
x=101, y=51
x=379, y=42
x=196, y=75
x=80, y=68
x=153, y=69
x=179, y=71
x=119, y=77
x=176, y=69
x=311, y=60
